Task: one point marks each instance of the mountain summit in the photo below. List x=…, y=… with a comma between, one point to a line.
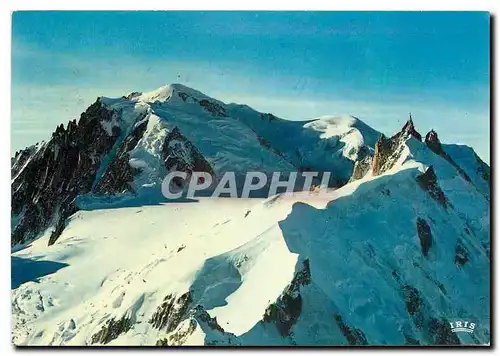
x=123, y=147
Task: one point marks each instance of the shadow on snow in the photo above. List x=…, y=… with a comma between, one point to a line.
x=25, y=270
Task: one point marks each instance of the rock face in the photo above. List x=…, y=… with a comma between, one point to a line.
x=428, y=182
x=434, y=331
x=461, y=254
x=181, y=155
x=47, y=179
x=119, y=175
x=389, y=150
x=179, y=317
x=362, y=166
x=112, y=330
x=483, y=169
x=212, y=107
x=88, y=157
x=20, y=159
x=171, y=312
x=412, y=298
x=286, y=310
x=432, y=141
x=409, y=129
x=441, y=334
x=424, y=235
x=354, y=336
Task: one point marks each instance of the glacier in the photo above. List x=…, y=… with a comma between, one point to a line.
x=396, y=249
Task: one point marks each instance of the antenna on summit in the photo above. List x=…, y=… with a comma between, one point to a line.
x=410, y=117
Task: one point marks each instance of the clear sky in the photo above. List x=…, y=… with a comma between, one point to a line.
x=299, y=65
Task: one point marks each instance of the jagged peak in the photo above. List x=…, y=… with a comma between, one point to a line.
x=389, y=150
x=432, y=141
x=431, y=136
x=409, y=129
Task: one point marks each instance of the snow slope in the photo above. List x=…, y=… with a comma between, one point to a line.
x=390, y=257
x=120, y=150
x=345, y=268
x=162, y=250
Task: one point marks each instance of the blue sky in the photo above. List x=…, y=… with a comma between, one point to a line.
x=377, y=66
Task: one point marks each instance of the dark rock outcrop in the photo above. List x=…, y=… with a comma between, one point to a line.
x=132, y=95
x=48, y=179
x=213, y=108
x=363, y=164
x=215, y=334
x=270, y=117
x=265, y=143
x=112, y=330
x=162, y=342
x=119, y=176
x=181, y=155
x=383, y=150
x=287, y=308
x=483, y=169
x=433, y=331
x=185, y=96
x=428, y=182
x=440, y=333
x=20, y=159
x=174, y=311
x=389, y=150
x=424, y=235
x=409, y=129
x=461, y=254
x=410, y=341
x=202, y=316
x=354, y=336
x=179, y=338
x=171, y=312
x=413, y=301
x=432, y=141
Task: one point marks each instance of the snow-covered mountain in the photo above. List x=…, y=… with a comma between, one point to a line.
x=397, y=248
x=125, y=146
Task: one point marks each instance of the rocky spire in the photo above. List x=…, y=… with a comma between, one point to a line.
x=409, y=129
x=389, y=150
x=432, y=141
x=380, y=156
